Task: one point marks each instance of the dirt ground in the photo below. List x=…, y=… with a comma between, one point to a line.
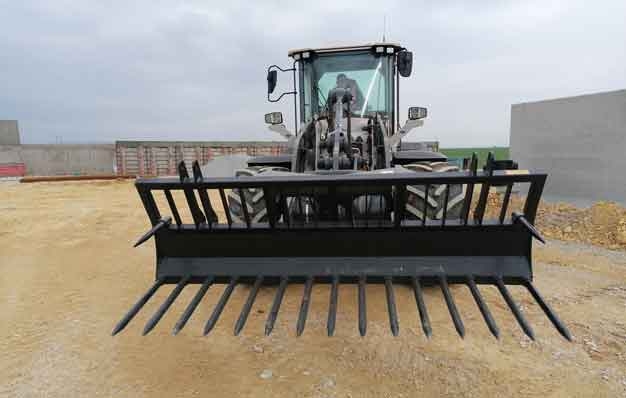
x=68, y=273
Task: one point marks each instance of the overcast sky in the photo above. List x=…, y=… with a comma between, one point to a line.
x=97, y=71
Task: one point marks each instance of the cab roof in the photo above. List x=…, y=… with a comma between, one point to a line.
x=395, y=47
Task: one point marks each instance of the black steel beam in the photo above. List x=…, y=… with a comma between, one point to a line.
x=458, y=240
x=425, y=207
x=229, y=218
x=347, y=180
x=532, y=198
x=399, y=204
x=505, y=202
x=244, y=207
x=515, y=269
x=445, y=205
x=173, y=208
x=147, y=199
x=469, y=190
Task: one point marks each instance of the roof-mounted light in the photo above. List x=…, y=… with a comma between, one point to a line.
x=380, y=50
x=306, y=55
x=390, y=50
x=296, y=56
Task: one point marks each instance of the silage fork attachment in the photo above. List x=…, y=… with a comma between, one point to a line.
x=342, y=248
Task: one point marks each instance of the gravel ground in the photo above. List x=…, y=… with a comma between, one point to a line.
x=68, y=273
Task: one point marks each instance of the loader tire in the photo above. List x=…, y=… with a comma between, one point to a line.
x=255, y=202
x=436, y=194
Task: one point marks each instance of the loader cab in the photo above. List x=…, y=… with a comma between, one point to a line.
x=370, y=72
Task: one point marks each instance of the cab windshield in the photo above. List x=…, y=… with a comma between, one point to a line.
x=366, y=76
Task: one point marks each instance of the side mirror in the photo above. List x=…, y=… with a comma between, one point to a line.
x=404, y=62
x=272, y=77
x=274, y=117
x=416, y=112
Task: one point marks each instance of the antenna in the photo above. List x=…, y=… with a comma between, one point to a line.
x=384, y=26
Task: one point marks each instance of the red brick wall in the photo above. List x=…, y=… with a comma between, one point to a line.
x=12, y=170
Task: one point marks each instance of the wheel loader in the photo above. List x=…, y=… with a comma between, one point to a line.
x=348, y=203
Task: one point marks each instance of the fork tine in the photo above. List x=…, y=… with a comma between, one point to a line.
x=192, y=305
x=304, y=307
x=152, y=322
x=391, y=307
x=454, y=312
x=138, y=305
x=271, y=319
x=243, y=317
x=219, y=307
x=515, y=309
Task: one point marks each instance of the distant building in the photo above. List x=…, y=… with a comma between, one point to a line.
x=9, y=132
x=579, y=141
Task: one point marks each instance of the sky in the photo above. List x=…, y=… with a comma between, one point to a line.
x=100, y=71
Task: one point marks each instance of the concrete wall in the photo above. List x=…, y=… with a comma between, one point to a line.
x=9, y=132
x=580, y=141
x=125, y=157
x=11, y=154
x=131, y=157
x=61, y=159
x=11, y=162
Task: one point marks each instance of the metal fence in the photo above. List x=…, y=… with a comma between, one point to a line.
x=160, y=158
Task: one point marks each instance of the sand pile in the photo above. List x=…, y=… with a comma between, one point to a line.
x=602, y=224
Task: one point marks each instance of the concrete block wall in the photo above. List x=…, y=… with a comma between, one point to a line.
x=144, y=158
x=63, y=159
x=11, y=154
x=580, y=141
x=11, y=162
